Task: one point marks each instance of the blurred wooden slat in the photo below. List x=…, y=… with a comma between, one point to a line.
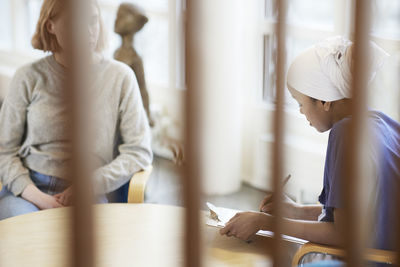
x=82, y=223
x=397, y=226
x=278, y=126
x=353, y=237
x=191, y=177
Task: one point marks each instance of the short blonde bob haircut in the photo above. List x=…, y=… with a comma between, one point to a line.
x=47, y=42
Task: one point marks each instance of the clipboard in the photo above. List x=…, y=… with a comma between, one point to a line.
x=219, y=216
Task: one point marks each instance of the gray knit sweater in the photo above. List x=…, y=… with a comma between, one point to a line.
x=33, y=125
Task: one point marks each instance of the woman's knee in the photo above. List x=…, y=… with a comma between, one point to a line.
x=11, y=205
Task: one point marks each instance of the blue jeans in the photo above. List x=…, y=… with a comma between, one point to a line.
x=11, y=205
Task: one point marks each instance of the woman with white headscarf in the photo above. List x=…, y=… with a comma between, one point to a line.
x=319, y=79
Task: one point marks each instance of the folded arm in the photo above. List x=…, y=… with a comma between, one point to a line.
x=135, y=151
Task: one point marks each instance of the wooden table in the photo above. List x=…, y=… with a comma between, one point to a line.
x=126, y=235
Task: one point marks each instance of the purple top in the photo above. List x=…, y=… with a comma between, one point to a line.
x=384, y=154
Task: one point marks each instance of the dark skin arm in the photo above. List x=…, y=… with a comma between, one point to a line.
x=245, y=224
x=291, y=209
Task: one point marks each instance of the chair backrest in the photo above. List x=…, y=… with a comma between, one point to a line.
x=372, y=255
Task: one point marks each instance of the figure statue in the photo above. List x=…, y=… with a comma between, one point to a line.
x=131, y=20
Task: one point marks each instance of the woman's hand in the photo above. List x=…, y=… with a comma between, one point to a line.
x=245, y=224
x=290, y=209
x=42, y=200
x=64, y=198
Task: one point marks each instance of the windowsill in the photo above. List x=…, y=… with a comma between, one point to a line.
x=386, y=36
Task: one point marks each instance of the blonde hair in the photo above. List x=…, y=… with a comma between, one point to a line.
x=47, y=42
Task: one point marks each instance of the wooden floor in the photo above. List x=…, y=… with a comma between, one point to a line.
x=165, y=187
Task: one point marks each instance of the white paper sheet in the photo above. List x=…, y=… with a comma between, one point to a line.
x=225, y=214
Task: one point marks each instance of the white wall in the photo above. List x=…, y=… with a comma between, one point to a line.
x=220, y=39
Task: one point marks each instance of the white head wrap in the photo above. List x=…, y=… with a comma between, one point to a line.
x=324, y=71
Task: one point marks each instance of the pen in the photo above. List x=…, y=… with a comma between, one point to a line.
x=285, y=181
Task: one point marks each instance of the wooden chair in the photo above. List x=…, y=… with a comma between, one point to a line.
x=137, y=186
x=373, y=255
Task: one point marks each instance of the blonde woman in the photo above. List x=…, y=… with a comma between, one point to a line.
x=319, y=79
x=33, y=142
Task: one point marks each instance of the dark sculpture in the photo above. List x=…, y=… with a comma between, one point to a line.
x=131, y=20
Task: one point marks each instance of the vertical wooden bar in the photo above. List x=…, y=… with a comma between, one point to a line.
x=352, y=168
x=397, y=226
x=192, y=170
x=82, y=233
x=278, y=125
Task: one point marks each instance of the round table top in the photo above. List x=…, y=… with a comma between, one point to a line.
x=126, y=235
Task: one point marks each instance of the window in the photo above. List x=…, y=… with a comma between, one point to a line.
x=160, y=43
x=305, y=27
x=33, y=12
x=270, y=55
x=152, y=42
x=311, y=21
x=5, y=30
x=386, y=18
x=311, y=14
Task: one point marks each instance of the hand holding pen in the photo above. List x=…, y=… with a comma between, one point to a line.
x=289, y=206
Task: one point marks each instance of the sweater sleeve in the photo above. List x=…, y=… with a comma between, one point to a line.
x=135, y=150
x=13, y=174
